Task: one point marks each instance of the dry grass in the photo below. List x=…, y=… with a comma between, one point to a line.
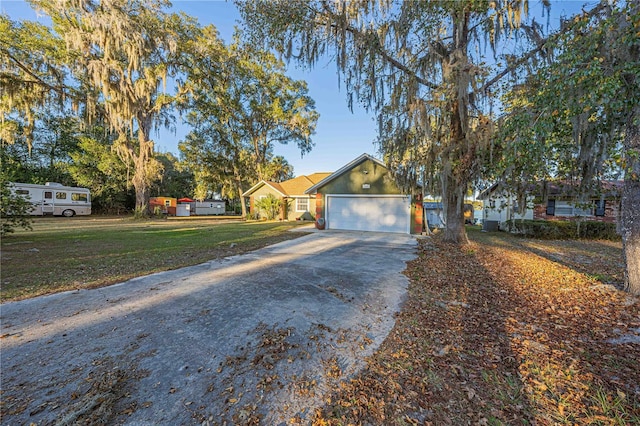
x=86, y=252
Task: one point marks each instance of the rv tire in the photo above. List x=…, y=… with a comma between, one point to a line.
x=68, y=213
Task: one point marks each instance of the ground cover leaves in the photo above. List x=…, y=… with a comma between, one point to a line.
x=504, y=331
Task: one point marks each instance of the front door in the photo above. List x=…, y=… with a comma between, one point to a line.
x=47, y=202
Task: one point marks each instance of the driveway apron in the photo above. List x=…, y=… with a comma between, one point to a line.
x=260, y=337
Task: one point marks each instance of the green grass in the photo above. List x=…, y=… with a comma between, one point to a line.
x=87, y=252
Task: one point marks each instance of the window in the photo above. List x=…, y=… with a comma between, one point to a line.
x=48, y=195
x=22, y=192
x=302, y=204
x=61, y=195
x=167, y=203
x=563, y=208
x=75, y=196
x=600, y=207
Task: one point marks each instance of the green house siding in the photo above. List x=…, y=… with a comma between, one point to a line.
x=355, y=181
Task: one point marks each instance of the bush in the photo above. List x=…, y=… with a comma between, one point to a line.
x=269, y=206
x=564, y=230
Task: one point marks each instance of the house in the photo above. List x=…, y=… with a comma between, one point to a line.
x=550, y=201
x=164, y=205
x=297, y=205
x=364, y=196
x=434, y=212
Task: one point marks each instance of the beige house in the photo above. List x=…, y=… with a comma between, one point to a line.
x=297, y=205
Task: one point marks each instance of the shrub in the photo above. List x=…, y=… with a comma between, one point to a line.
x=270, y=206
x=563, y=230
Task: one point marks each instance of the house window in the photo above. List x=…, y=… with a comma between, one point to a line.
x=600, y=207
x=302, y=204
x=563, y=208
x=167, y=203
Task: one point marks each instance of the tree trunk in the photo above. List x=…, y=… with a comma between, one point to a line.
x=630, y=214
x=455, y=158
x=453, y=204
x=140, y=178
x=238, y=185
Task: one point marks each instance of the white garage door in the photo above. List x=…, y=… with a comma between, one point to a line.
x=380, y=213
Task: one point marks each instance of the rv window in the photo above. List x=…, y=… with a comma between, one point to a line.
x=22, y=191
x=79, y=197
x=61, y=195
x=48, y=194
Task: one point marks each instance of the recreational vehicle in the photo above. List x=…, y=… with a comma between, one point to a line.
x=54, y=199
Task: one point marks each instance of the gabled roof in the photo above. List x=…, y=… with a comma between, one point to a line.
x=298, y=186
x=291, y=187
x=274, y=185
x=343, y=170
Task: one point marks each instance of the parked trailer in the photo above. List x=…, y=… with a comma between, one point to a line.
x=54, y=199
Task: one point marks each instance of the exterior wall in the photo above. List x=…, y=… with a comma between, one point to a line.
x=417, y=215
x=210, y=207
x=366, y=178
x=293, y=214
x=503, y=211
x=260, y=192
x=161, y=203
x=611, y=213
x=288, y=213
x=365, y=173
x=501, y=208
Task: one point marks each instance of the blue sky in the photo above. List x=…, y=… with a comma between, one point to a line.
x=340, y=135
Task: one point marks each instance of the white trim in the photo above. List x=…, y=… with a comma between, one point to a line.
x=405, y=197
x=301, y=198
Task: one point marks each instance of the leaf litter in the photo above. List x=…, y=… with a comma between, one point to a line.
x=503, y=331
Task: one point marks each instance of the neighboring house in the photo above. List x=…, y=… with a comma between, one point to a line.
x=296, y=204
x=164, y=205
x=364, y=196
x=434, y=211
x=550, y=201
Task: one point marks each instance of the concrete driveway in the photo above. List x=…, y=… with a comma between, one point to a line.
x=260, y=337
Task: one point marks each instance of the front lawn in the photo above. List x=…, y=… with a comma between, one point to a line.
x=86, y=252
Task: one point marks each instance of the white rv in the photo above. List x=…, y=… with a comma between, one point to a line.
x=54, y=199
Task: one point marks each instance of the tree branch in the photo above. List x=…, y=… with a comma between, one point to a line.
x=541, y=45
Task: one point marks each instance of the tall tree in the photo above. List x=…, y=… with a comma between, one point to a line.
x=582, y=107
x=34, y=74
x=97, y=166
x=128, y=49
x=240, y=104
x=278, y=169
x=414, y=63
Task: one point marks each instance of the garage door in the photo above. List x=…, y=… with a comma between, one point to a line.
x=380, y=213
